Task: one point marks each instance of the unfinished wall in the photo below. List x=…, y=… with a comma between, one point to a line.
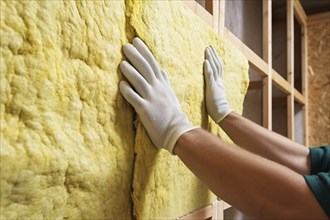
x=68, y=137
x=319, y=83
x=162, y=186
x=66, y=132
x=248, y=28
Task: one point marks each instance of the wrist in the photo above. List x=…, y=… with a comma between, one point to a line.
x=229, y=117
x=223, y=114
x=179, y=125
x=219, y=113
x=184, y=139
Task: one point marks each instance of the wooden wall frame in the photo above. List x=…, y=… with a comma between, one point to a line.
x=267, y=56
x=215, y=210
x=264, y=67
x=290, y=67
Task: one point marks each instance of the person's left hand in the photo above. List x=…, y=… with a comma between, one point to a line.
x=215, y=94
x=151, y=95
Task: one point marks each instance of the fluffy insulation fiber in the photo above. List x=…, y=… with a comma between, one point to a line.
x=71, y=147
x=66, y=132
x=163, y=186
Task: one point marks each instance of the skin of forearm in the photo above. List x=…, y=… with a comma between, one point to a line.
x=258, y=187
x=265, y=143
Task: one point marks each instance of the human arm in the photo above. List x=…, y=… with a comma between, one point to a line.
x=207, y=156
x=265, y=143
x=256, y=186
x=243, y=132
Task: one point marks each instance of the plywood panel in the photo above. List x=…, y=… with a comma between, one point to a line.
x=319, y=83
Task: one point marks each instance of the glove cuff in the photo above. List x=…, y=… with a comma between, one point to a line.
x=179, y=125
x=222, y=114
x=176, y=136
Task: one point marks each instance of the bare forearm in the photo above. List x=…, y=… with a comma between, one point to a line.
x=265, y=143
x=256, y=186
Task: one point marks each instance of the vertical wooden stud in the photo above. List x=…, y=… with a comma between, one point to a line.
x=215, y=13
x=218, y=210
x=300, y=14
x=304, y=59
x=290, y=67
x=267, y=56
x=222, y=5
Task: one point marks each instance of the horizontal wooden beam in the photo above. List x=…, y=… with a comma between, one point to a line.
x=225, y=205
x=202, y=213
x=299, y=13
x=200, y=11
x=298, y=97
x=213, y=211
x=281, y=83
x=256, y=63
x=318, y=18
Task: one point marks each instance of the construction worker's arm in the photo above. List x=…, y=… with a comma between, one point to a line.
x=243, y=132
x=258, y=187
x=254, y=185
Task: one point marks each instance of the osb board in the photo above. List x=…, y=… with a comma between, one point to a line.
x=319, y=83
x=66, y=133
x=163, y=188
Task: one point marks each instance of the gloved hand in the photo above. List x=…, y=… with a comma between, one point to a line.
x=216, y=103
x=152, y=97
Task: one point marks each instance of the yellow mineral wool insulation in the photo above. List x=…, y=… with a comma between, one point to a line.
x=66, y=132
x=67, y=135
x=163, y=188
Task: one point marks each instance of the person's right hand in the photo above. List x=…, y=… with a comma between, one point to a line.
x=150, y=93
x=215, y=95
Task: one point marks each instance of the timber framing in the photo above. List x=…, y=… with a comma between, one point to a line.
x=214, y=15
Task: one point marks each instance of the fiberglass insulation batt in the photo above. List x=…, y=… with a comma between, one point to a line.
x=70, y=145
x=66, y=132
x=163, y=186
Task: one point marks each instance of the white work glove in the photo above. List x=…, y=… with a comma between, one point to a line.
x=216, y=103
x=152, y=97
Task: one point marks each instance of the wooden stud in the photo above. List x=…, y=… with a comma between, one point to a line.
x=298, y=97
x=225, y=205
x=200, y=11
x=256, y=63
x=267, y=56
x=222, y=6
x=303, y=98
x=216, y=19
x=280, y=82
x=290, y=68
x=264, y=66
x=299, y=13
x=216, y=14
x=214, y=210
x=304, y=50
x=202, y=213
x=218, y=211
x=318, y=18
